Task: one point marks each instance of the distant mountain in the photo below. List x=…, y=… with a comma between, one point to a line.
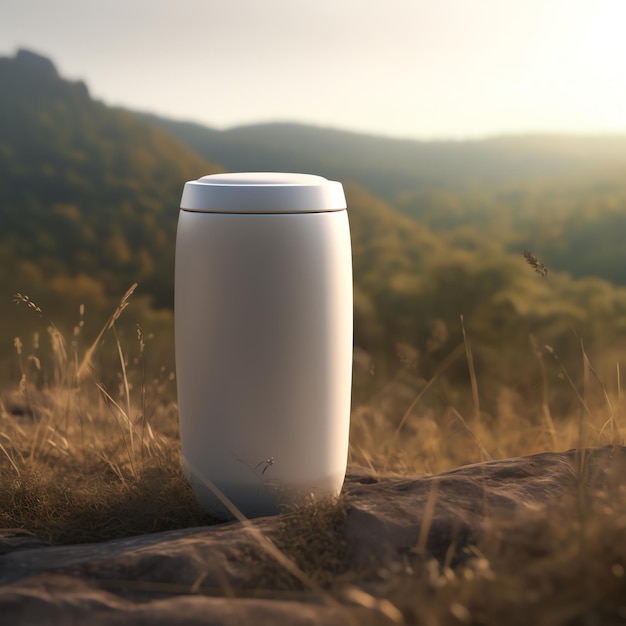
x=565, y=195
x=391, y=167
x=86, y=190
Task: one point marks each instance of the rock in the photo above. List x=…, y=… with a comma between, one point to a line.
x=464, y=500
x=66, y=600
x=191, y=576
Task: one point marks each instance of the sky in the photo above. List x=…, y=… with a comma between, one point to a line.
x=423, y=69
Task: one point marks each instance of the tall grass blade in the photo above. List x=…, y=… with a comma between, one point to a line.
x=87, y=359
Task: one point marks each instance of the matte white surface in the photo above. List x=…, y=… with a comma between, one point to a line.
x=263, y=317
x=263, y=192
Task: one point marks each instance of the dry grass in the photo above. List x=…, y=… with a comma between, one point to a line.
x=84, y=461
x=549, y=568
x=564, y=565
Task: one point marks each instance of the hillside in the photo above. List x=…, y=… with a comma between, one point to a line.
x=88, y=194
x=89, y=203
x=564, y=195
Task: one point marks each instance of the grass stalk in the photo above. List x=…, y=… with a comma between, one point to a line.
x=472, y=371
x=483, y=451
x=128, y=412
x=453, y=356
x=427, y=519
x=109, y=402
x=88, y=357
x=11, y=460
x=545, y=404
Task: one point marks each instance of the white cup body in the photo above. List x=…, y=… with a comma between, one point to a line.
x=263, y=323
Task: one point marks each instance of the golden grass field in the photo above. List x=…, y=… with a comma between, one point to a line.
x=85, y=462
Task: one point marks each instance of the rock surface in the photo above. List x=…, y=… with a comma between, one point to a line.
x=188, y=576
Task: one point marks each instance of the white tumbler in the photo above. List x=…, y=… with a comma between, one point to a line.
x=263, y=323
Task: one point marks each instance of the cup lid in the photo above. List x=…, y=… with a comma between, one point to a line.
x=263, y=192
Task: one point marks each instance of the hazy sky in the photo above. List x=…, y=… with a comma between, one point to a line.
x=415, y=68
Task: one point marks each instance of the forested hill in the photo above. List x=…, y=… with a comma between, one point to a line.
x=390, y=167
x=564, y=195
x=89, y=200
x=89, y=195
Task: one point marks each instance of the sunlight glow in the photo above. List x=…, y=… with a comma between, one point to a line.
x=417, y=68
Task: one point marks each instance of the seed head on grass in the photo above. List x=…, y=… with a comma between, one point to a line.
x=58, y=341
x=535, y=263
x=54, y=332
x=71, y=473
x=21, y=298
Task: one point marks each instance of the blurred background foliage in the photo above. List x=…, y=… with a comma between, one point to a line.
x=89, y=203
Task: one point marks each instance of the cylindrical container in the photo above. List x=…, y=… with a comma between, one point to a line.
x=263, y=323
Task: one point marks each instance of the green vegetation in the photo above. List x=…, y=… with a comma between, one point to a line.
x=89, y=195
x=389, y=167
